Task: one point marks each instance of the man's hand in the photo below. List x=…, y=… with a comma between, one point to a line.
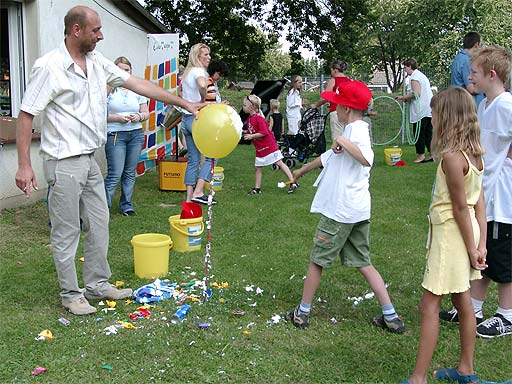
x=25, y=178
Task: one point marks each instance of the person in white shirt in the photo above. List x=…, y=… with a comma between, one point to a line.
x=194, y=86
x=125, y=113
x=294, y=105
x=67, y=91
x=419, y=95
x=344, y=202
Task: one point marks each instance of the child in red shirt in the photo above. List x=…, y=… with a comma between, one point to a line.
x=267, y=150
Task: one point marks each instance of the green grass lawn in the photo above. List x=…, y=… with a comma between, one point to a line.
x=261, y=241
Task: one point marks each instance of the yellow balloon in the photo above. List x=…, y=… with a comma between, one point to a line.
x=217, y=130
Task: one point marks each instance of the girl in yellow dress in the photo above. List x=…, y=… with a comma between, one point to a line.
x=456, y=250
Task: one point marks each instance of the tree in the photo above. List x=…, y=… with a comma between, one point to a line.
x=329, y=27
x=431, y=32
x=222, y=24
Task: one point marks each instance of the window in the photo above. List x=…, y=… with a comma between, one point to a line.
x=11, y=58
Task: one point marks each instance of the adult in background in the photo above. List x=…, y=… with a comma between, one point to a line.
x=294, y=105
x=419, y=95
x=461, y=66
x=193, y=88
x=216, y=69
x=125, y=113
x=338, y=77
x=67, y=90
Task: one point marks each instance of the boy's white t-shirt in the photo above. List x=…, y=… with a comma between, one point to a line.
x=343, y=193
x=496, y=137
x=189, y=87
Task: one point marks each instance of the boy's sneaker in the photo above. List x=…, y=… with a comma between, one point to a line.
x=254, y=191
x=494, y=327
x=452, y=316
x=300, y=320
x=293, y=187
x=393, y=326
x=79, y=307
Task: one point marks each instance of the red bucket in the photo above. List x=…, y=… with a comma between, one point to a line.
x=191, y=210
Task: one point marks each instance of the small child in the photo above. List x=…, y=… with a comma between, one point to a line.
x=456, y=250
x=343, y=200
x=275, y=120
x=267, y=151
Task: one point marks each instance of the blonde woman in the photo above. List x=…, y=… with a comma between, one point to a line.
x=193, y=88
x=126, y=111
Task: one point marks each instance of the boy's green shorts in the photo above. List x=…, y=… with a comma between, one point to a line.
x=351, y=242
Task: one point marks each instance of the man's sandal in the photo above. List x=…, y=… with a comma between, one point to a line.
x=451, y=374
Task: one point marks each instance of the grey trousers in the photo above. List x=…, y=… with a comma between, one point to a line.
x=77, y=192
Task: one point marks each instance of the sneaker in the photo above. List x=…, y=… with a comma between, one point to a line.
x=203, y=200
x=254, y=191
x=393, y=326
x=495, y=326
x=300, y=320
x=293, y=187
x=131, y=212
x=452, y=316
x=111, y=294
x=79, y=307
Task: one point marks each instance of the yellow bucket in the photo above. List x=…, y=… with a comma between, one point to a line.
x=218, y=179
x=186, y=233
x=393, y=155
x=151, y=254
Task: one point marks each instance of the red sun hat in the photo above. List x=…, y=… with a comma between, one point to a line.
x=354, y=94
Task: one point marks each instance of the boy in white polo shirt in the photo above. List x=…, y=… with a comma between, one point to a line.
x=343, y=200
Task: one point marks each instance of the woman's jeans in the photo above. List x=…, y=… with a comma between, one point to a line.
x=123, y=151
x=194, y=156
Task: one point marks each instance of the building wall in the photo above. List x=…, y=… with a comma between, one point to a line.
x=43, y=30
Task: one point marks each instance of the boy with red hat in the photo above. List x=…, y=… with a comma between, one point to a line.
x=343, y=200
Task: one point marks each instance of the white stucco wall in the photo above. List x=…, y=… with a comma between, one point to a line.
x=43, y=30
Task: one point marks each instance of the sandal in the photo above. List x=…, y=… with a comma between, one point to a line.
x=451, y=374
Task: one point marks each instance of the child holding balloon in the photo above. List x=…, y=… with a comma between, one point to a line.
x=267, y=150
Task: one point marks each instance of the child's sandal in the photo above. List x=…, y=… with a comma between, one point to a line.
x=451, y=374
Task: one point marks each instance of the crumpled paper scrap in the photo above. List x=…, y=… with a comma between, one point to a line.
x=224, y=284
x=38, y=371
x=119, y=283
x=110, y=330
x=110, y=303
x=126, y=325
x=45, y=335
x=141, y=313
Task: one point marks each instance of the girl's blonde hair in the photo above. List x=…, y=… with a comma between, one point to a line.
x=256, y=103
x=295, y=78
x=193, y=57
x=455, y=123
x=274, y=104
